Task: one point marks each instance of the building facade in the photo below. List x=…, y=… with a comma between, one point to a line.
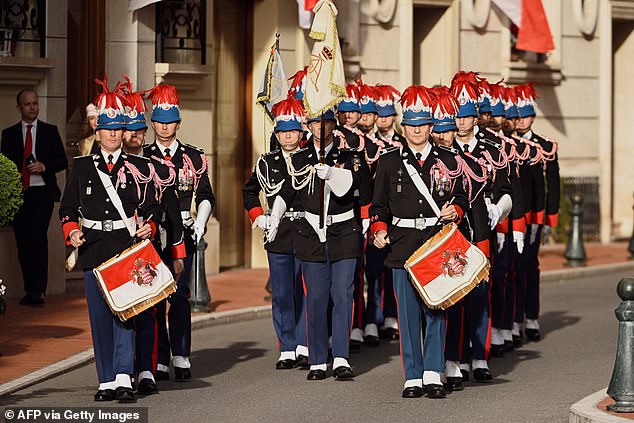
x=215, y=52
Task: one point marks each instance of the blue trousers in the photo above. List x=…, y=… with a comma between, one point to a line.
x=381, y=302
x=326, y=280
x=469, y=327
x=412, y=313
x=179, y=339
x=288, y=301
x=503, y=285
x=112, y=339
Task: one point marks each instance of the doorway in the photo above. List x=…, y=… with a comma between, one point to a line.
x=233, y=31
x=435, y=55
x=622, y=94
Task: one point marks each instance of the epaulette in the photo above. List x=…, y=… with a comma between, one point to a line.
x=127, y=156
x=298, y=151
x=195, y=148
x=84, y=156
x=448, y=149
x=270, y=153
x=389, y=149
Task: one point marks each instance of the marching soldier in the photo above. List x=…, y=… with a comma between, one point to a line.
x=507, y=239
x=545, y=209
x=329, y=253
x=281, y=235
x=489, y=191
x=192, y=180
x=400, y=204
x=169, y=244
x=102, y=191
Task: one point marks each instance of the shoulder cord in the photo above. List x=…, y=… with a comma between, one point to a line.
x=301, y=178
x=164, y=183
x=197, y=173
x=137, y=176
x=263, y=179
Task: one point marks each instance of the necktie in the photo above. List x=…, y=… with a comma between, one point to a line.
x=28, y=150
x=419, y=157
x=110, y=164
x=168, y=154
x=465, y=147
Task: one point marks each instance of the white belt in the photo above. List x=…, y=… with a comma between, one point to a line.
x=334, y=218
x=414, y=223
x=294, y=214
x=106, y=225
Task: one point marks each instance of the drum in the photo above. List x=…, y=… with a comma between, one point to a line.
x=134, y=280
x=446, y=268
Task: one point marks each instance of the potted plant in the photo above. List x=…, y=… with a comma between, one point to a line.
x=10, y=202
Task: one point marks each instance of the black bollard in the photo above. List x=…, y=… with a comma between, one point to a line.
x=575, y=251
x=630, y=247
x=621, y=388
x=200, y=296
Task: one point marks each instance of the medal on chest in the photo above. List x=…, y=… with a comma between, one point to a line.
x=398, y=185
x=440, y=180
x=185, y=179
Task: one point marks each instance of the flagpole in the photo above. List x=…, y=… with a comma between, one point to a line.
x=322, y=160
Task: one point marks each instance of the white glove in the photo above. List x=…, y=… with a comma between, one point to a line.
x=261, y=222
x=546, y=230
x=200, y=225
x=533, y=235
x=277, y=212
x=365, y=225
x=500, y=241
x=494, y=215
x=518, y=239
x=323, y=171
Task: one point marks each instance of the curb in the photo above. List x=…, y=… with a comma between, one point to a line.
x=199, y=321
x=586, y=411
x=581, y=272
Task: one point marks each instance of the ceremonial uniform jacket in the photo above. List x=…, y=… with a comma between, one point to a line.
x=273, y=168
x=170, y=242
x=344, y=239
x=86, y=197
x=516, y=221
x=550, y=171
x=192, y=183
x=396, y=196
x=533, y=186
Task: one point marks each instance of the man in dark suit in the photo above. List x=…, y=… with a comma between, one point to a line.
x=37, y=150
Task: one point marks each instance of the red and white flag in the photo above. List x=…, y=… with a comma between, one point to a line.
x=134, y=280
x=446, y=268
x=529, y=16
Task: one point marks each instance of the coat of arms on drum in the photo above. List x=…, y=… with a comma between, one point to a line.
x=454, y=263
x=143, y=272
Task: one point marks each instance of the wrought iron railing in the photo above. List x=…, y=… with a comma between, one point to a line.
x=588, y=189
x=23, y=28
x=181, y=31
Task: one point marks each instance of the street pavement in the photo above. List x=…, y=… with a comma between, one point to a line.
x=236, y=381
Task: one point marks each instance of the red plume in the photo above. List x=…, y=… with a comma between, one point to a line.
x=352, y=91
x=296, y=80
x=497, y=90
x=164, y=94
x=367, y=91
x=445, y=102
x=527, y=91
x=510, y=95
x=289, y=106
x=415, y=94
x=108, y=99
x=386, y=92
x=133, y=99
x=465, y=82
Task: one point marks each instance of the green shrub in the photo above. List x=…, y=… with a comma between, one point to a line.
x=10, y=190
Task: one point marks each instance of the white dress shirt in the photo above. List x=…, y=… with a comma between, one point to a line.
x=35, y=179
